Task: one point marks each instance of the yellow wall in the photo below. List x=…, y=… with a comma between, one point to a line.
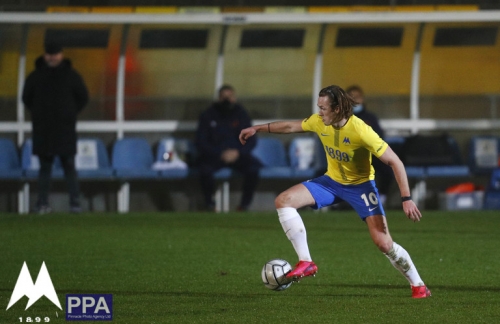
x=175, y=72
x=97, y=66
x=379, y=70
x=10, y=45
x=459, y=70
x=271, y=72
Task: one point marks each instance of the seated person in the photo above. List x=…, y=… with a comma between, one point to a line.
x=218, y=145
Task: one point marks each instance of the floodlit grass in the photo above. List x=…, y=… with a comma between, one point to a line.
x=205, y=268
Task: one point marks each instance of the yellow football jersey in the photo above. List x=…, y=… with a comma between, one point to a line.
x=348, y=149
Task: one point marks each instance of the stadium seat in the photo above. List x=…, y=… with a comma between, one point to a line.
x=224, y=174
x=168, y=157
x=494, y=184
x=304, y=153
x=10, y=166
x=492, y=196
x=415, y=172
x=397, y=144
x=439, y=155
x=92, y=161
x=484, y=152
x=132, y=158
x=455, y=169
x=271, y=153
x=492, y=200
x=30, y=163
x=448, y=171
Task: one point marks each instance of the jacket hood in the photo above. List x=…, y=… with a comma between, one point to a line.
x=40, y=63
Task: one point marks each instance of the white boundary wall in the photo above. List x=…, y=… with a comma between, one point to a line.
x=414, y=124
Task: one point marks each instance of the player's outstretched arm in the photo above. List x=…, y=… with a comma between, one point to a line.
x=279, y=127
x=390, y=158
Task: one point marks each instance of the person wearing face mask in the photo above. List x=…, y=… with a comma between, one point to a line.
x=218, y=146
x=384, y=174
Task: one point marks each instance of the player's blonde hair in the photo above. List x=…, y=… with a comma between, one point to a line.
x=338, y=98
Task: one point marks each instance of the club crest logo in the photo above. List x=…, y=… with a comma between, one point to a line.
x=42, y=287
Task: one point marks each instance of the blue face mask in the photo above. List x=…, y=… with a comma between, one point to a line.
x=356, y=109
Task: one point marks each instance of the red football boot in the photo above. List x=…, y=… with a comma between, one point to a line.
x=301, y=270
x=420, y=292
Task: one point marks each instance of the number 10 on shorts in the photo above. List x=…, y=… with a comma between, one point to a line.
x=372, y=198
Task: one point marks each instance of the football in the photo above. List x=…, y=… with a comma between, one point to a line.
x=273, y=274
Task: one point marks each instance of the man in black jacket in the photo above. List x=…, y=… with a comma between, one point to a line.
x=55, y=93
x=218, y=145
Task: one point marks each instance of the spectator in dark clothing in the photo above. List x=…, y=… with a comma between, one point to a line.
x=55, y=93
x=218, y=145
x=383, y=173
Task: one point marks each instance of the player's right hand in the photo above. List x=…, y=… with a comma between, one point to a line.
x=246, y=133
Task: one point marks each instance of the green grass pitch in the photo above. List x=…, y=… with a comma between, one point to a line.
x=205, y=268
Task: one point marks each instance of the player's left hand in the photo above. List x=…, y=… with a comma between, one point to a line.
x=411, y=211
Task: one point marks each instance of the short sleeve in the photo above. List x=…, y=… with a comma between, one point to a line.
x=372, y=141
x=309, y=123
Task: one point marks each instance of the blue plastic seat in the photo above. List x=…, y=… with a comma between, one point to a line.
x=10, y=166
x=395, y=140
x=492, y=196
x=415, y=172
x=438, y=156
x=224, y=173
x=132, y=158
x=293, y=152
x=494, y=184
x=492, y=200
x=448, y=171
x=103, y=170
x=182, y=147
x=484, y=152
x=397, y=144
x=271, y=153
x=31, y=165
x=457, y=169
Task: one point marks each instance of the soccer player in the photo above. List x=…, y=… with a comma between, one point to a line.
x=383, y=173
x=349, y=144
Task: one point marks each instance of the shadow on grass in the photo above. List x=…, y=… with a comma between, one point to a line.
x=405, y=287
x=247, y=295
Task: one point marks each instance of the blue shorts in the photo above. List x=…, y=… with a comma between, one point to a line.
x=363, y=197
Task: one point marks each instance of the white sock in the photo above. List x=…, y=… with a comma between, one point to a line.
x=295, y=231
x=401, y=260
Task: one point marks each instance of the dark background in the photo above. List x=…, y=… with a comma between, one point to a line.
x=39, y=5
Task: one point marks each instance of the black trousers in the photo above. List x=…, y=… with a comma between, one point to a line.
x=248, y=165
x=45, y=175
